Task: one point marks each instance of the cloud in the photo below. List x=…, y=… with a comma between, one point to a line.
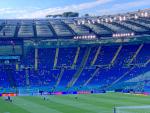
x=35, y=12
x=11, y=11
x=58, y=10
x=124, y=7
x=14, y=12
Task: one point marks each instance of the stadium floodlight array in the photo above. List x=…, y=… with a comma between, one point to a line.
x=85, y=37
x=123, y=35
x=144, y=14
x=122, y=18
x=98, y=20
x=112, y=18
x=136, y=17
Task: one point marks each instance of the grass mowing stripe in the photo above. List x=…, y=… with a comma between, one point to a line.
x=81, y=105
x=102, y=105
x=33, y=107
x=95, y=103
x=51, y=103
x=85, y=99
x=107, y=103
x=126, y=98
x=122, y=95
x=110, y=101
x=8, y=107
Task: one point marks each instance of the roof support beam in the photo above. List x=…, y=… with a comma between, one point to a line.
x=146, y=63
x=80, y=69
x=96, y=56
x=36, y=59
x=70, y=29
x=56, y=58
x=116, y=55
x=76, y=58
x=60, y=76
x=95, y=72
x=52, y=29
x=135, y=55
x=125, y=74
x=17, y=30
x=17, y=66
x=27, y=76
x=34, y=30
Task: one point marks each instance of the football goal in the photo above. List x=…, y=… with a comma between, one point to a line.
x=132, y=109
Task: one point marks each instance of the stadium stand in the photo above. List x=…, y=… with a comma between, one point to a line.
x=74, y=53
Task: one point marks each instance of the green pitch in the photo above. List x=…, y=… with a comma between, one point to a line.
x=96, y=103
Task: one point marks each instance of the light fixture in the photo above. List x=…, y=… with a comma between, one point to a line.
x=111, y=20
x=132, y=34
x=102, y=20
x=124, y=18
x=136, y=17
x=123, y=35
x=85, y=37
x=93, y=21
x=115, y=18
x=106, y=20
x=142, y=14
x=98, y=21
x=89, y=22
x=120, y=18
x=83, y=22
x=79, y=23
x=146, y=14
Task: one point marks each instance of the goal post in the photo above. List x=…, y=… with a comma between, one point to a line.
x=132, y=109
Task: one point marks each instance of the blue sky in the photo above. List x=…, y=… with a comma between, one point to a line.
x=41, y=8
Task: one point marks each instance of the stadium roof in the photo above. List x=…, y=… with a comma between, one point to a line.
x=89, y=28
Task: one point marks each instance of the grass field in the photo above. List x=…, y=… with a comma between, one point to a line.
x=96, y=103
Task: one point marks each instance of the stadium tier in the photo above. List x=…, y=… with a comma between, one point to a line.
x=74, y=54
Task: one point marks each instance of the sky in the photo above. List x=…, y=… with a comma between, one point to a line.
x=13, y=9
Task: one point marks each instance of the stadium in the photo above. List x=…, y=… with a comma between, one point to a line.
x=93, y=64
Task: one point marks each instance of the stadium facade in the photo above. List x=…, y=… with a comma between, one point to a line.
x=75, y=54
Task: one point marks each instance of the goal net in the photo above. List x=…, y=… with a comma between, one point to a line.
x=132, y=109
